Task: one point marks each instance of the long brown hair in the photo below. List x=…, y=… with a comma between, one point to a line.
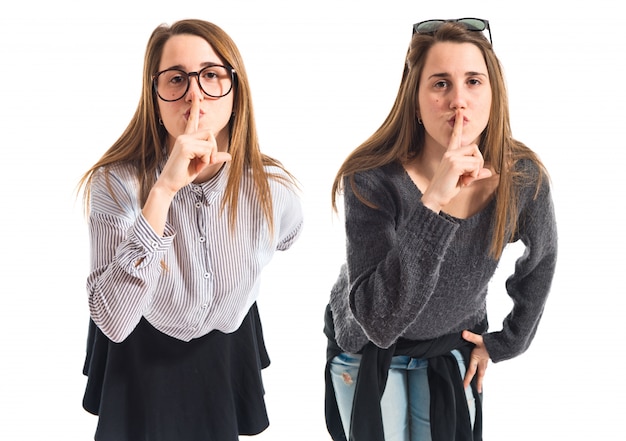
x=401, y=138
x=142, y=143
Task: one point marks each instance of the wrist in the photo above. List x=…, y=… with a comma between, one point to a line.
x=431, y=204
x=161, y=191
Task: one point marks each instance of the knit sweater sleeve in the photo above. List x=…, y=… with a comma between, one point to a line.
x=530, y=283
x=393, y=261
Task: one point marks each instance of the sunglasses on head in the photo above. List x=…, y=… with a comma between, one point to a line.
x=471, y=24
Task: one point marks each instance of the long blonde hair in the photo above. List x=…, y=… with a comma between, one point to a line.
x=142, y=143
x=401, y=138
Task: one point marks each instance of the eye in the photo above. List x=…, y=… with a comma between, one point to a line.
x=209, y=75
x=174, y=78
x=213, y=73
x=441, y=84
x=474, y=81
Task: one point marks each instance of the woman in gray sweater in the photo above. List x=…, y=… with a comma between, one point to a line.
x=431, y=200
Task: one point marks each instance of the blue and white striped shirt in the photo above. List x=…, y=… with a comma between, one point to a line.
x=200, y=276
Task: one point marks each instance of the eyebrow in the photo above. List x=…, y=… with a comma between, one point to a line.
x=202, y=65
x=467, y=74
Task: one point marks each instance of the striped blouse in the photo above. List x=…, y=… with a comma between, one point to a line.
x=199, y=276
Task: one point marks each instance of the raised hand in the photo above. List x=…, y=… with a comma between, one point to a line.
x=193, y=152
x=194, y=155
x=460, y=166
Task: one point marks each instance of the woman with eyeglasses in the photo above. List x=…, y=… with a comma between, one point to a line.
x=431, y=200
x=184, y=211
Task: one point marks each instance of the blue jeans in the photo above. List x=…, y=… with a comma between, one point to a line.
x=405, y=404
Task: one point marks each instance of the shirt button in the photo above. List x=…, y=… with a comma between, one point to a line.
x=198, y=205
x=154, y=245
x=201, y=239
x=205, y=305
x=207, y=275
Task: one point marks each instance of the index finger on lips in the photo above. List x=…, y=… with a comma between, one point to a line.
x=194, y=116
x=457, y=131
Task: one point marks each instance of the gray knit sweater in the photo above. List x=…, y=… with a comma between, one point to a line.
x=416, y=274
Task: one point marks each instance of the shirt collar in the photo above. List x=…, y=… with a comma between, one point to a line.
x=209, y=190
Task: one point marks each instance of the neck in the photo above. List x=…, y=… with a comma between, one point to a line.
x=428, y=159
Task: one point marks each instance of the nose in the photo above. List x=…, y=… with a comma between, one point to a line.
x=458, y=99
x=194, y=90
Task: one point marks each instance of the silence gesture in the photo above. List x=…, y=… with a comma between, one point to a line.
x=192, y=153
x=460, y=166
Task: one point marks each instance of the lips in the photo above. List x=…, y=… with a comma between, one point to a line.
x=188, y=112
x=452, y=120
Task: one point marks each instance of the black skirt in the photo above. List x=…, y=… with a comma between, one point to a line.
x=153, y=387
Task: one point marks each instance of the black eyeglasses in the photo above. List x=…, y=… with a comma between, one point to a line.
x=471, y=24
x=215, y=81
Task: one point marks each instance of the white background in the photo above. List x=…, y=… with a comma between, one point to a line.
x=324, y=75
